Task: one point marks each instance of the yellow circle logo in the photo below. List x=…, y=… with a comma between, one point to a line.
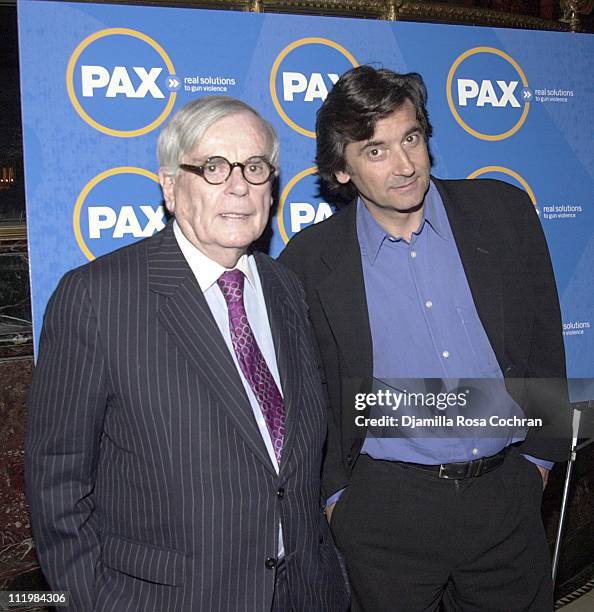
x=283, y=199
x=313, y=84
x=508, y=172
x=488, y=93
x=299, y=206
x=148, y=83
x=133, y=228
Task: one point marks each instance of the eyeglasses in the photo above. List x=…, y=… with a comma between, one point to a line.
x=216, y=170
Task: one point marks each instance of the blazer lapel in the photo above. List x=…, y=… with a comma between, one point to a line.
x=283, y=326
x=186, y=316
x=479, y=259
x=343, y=298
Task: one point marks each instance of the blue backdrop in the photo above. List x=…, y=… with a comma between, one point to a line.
x=98, y=82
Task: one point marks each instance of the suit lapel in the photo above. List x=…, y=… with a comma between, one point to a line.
x=283, y=326
x=186, y=316
x=343, y=298
x=479, y=259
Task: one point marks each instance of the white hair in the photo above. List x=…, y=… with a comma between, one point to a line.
x=185, y=129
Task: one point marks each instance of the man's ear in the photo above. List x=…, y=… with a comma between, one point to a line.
x=168, y=186
x=342, y=176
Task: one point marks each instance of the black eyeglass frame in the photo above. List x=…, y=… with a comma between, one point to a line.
x=199, y=170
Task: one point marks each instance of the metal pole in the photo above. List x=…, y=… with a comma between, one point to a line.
x=572, y=456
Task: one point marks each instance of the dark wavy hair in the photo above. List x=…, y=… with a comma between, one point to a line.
x=359, y=99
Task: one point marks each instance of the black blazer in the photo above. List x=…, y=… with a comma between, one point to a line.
x=149, y=483
x=507, y=264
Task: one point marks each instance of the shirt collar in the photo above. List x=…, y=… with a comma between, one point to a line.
x=206, y=270
x=434, y=212
x=372, y=235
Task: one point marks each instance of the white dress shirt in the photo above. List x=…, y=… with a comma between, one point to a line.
x=207, y=272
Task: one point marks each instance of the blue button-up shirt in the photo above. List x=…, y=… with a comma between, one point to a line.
x=424, y=325
x=427, y=336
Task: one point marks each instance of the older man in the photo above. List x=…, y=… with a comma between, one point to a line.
x=176, y=418
x=424, y=282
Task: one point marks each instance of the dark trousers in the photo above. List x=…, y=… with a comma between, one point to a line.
x=414, y=542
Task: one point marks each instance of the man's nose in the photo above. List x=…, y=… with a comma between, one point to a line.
x=402, y=164
x=236, y=183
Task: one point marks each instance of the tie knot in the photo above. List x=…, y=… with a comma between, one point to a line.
x=231, y=284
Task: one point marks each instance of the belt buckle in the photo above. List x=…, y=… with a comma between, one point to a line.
x=463, y=470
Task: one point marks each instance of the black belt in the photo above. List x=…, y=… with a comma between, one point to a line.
x=463, y=469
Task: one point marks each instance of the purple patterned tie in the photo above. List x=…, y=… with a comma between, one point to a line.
x=251, y=360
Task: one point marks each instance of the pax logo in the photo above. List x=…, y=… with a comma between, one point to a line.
x=125, y=221
x=120, y=82
x=295, y=83
x=486, y=91
x=301, y=77
x=103, y=220
x=299, y=204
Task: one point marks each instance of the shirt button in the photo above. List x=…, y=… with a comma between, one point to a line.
x=270, y=563
x=428, y=303
x=413, y=254
x=475, y=451
x=445, y=354
x=280, y=493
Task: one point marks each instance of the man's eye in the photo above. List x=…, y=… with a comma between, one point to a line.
x=412, y=138
x=376, y=153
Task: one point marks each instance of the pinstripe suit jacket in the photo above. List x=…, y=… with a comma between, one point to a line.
x=149, y=484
